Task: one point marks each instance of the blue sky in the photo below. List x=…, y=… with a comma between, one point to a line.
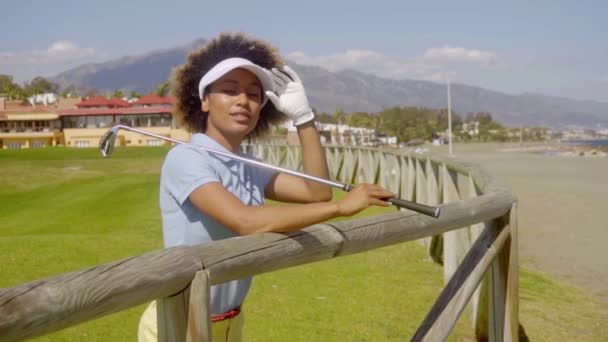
x=550, y=47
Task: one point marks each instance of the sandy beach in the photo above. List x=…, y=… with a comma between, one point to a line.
x=563, y=196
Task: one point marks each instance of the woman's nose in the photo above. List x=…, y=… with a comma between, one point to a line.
x=241, y=98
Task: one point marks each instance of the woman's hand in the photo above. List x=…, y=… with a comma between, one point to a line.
x=362, y=197
x=289, y=96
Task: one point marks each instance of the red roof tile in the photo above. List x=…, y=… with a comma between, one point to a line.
x=119, y=102
x=95, y=101
x=116, y=111
x=153, y=99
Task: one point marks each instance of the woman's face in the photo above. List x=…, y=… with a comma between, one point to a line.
x=234, y=103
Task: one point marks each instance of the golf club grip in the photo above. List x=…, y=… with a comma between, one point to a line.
x=417, y=207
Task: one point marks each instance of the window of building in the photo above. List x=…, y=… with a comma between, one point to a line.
x=76, y=121
x=14, y=145
x=68, y=122
x=160, y=120
x=99, y=121
x=153, y=142
x=130, y=120
x=81, y=143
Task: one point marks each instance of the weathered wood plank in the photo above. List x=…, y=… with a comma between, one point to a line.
x=390, y=173
x=334, y=161
x=54, y=303
x=421, y=187
x=432, y=176
x=511, y=330
x=479, y=301
x=369, y=166
x=410, y=182
x=199, y=318
x=451, y=302
x=349, y=162
x=293, y=158
x=172, y=318
x=456, y=243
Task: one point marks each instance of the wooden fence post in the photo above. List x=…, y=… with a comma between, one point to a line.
x=502, y=294
x=479, y=301
x=444, y=314
x=434, y=243
x=349, y=163
x=334, y=161
x=185, y=316
x=199, y=319
x=456, y=243
x=511, y=330
x=408, y=178
x=390, y=173
x=171, y=318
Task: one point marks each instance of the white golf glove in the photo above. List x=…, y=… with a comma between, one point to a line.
x=289, y=96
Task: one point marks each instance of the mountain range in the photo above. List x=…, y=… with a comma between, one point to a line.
x=353, y=91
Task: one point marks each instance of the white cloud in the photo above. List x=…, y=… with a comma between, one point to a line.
x=58, y=52
x=59, y=56
x=436, y=64
x=369, y=62
x=459, y=54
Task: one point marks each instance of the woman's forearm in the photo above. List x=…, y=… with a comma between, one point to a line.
x=284, y=218
x=314, y=161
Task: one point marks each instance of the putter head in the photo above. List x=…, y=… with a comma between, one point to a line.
x=106, y=144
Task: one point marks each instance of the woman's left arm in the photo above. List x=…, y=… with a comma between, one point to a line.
x=288, y=188
x=290, y=98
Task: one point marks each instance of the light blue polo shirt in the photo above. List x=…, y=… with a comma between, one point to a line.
x=184, y=170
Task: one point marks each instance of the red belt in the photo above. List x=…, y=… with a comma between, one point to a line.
x=226, y=315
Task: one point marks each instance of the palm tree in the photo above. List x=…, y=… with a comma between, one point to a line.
x=118, y=94
x=162, y=89
x=134, y=94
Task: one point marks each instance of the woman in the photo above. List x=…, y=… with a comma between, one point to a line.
x=232, y=89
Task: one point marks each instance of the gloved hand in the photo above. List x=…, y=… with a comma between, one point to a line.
x=289, y=96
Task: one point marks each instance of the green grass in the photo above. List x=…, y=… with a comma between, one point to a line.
x=68, y=209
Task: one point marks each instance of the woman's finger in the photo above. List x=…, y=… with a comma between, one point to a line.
x=281, y=75
x=378, y=202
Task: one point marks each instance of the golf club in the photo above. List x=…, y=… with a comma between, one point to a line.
x=106, y=145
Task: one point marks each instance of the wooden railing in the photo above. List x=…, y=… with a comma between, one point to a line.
x=475, y=238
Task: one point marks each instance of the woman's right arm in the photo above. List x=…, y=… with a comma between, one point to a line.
x=215, y=201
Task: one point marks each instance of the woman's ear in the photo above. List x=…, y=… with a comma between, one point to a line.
x=205, y=104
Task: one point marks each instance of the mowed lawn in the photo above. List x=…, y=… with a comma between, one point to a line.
x=66, y=209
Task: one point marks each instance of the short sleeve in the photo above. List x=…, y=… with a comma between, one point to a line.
x=262, y=175
x=186, y=169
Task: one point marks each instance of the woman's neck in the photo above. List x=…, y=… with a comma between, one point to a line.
x=233, y=145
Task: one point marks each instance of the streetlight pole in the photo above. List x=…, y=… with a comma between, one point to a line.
x=449, y=119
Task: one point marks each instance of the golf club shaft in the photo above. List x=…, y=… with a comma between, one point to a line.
x=421, y=208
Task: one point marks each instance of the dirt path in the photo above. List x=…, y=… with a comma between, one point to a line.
x=563, y=208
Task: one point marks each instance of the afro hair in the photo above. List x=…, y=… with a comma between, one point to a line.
x=186, y=77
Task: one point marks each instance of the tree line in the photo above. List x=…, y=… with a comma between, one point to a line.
x=410, y=124
x=40, y=85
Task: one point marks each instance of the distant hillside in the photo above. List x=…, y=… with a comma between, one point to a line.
x=141, y=73
x=354, y=91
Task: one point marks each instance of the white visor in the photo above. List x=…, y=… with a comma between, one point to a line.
x=227, y=65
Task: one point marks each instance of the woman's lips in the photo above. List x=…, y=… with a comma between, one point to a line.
x=241, y=116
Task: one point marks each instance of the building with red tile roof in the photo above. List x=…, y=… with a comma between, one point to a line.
x=24, y=125
x=83, y=124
